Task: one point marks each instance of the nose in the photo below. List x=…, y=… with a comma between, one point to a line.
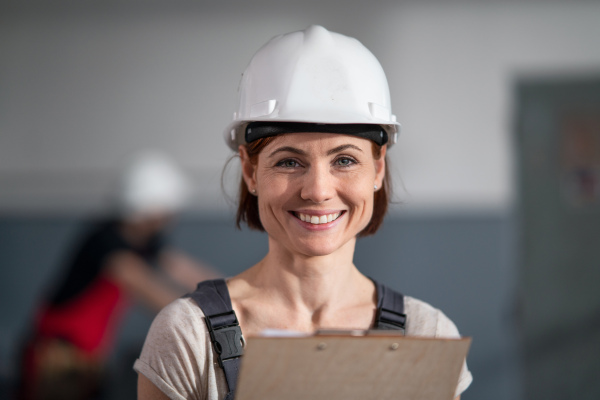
x=318, y=185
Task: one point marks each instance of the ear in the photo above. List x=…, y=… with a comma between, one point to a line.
x=380, y=168
x=248, y=169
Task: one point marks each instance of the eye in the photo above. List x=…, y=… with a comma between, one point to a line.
x=345, y=161
x=288, y=163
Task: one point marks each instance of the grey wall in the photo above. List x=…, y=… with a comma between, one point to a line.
x=461, y=264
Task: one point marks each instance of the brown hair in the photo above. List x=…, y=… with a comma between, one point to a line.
x=248, y=204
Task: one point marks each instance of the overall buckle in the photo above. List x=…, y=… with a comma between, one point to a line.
x=388, y=319
x=226, y=335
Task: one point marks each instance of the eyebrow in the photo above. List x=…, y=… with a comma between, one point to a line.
x=289, y=149
x=302, y=152
x=342, y=148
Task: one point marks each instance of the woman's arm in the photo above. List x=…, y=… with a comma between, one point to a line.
x=148, y=390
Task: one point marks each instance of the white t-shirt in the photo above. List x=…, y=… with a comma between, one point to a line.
x=178, y=356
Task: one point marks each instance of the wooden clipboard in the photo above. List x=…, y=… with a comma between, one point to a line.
x=345, y=366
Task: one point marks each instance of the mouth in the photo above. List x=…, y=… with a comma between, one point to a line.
x=318, y=219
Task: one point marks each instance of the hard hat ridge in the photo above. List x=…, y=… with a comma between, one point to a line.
x=316, y=35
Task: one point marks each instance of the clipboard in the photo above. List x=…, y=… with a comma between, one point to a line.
x=338, y=366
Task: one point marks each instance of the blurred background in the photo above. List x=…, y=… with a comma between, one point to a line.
x=497, y=170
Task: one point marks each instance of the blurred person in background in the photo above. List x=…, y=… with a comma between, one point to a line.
x=119, y=258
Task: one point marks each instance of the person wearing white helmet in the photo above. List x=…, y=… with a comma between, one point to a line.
x=312, y=130
x=150, y=183
x=116, y=261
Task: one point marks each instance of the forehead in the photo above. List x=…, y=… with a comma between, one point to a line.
x=316, y=141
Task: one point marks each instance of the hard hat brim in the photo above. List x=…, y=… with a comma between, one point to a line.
x=236, y=133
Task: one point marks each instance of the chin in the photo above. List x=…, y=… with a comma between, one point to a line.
x=318, y=253
x=318, y=249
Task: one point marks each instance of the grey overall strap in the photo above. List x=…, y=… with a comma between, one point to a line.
x=223, y=326
x=390, y=309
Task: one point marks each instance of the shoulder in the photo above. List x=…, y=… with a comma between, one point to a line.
x=181, y=319
x=422, y=319
x=177, y=355
x=425, y=320
x=101, y=240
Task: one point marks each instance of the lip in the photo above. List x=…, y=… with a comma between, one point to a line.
x=317, y=213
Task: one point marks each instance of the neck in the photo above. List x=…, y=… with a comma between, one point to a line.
x=308, y=283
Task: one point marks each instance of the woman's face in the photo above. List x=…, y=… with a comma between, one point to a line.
x=315, y=190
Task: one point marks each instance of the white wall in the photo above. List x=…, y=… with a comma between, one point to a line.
x=453, y=73
x=83, y=85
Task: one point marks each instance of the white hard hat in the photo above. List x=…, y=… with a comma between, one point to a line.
x=313, y=76
x=151, y=183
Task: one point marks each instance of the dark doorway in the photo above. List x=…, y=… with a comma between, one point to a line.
x=558, y=141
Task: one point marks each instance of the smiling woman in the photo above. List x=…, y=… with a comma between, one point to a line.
x=248, y=204
x=302, y=180
x=312, y=131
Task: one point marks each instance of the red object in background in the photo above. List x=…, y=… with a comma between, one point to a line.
x=88, y=321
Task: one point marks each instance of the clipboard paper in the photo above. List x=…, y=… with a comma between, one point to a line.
x=336, y=366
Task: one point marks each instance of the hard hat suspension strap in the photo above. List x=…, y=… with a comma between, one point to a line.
x=261, y=129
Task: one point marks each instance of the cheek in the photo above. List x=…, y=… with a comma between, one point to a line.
x=359, y=193
x=361, y=184
x=275, y=188
x=274, y=194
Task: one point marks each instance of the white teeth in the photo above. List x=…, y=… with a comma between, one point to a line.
x=316, y=219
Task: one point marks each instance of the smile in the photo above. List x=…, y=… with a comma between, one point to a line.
x=317, y=219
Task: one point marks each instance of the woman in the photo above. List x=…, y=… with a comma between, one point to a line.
x=312, y=131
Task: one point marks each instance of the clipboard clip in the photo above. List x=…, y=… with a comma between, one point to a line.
x=225, y=335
